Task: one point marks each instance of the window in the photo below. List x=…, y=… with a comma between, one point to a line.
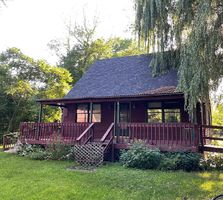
x=163, y=112
x=96, y=116
x=154, y=115
x=172, y=115
x=154, y=112
x=124, y=112
x=82, y=113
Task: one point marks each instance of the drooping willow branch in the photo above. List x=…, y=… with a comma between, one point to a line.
x=186, y=35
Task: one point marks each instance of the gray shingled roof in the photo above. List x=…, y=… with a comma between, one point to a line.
x=125, y=76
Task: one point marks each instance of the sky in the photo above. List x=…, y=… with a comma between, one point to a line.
x=31, y=24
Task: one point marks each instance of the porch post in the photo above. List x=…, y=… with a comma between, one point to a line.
x=118, y=112
x=130, y=111
x=91, y=112
x=40, y=113
x=114, y=134
x=90, y=119
x=117, y=120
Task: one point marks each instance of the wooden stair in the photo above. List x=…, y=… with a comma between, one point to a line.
x=92, y=152
x=106, y=141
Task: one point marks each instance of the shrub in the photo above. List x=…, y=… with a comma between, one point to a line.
x=40, y=155
x=141, y=157
x=27, y=149
x=168, y=164
x=37, y=152
x=59, y=152
x=186, y=161
x=212, y=161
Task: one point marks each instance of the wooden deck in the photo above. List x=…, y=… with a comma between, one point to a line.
x=47, y=133
x=166, y=136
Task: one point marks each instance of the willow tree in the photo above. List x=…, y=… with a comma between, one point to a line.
x=186, y=35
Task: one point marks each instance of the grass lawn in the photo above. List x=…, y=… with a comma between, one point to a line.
x=24, y=179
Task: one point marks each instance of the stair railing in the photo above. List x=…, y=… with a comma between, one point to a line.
x=87, y=135
x=108, y=136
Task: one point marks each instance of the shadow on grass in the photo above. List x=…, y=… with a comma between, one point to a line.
x=212, y=182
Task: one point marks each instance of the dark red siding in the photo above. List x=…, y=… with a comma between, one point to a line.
x=138, y=114
x=69, y=113
x=107, y=117
x=138, y=111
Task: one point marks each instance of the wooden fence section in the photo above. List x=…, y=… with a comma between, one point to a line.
x=163, y=135
x=212, y=138
x=46, y=133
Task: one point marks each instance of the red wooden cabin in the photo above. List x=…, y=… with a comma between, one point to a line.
x=117, y=102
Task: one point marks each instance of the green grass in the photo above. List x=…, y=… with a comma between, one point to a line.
x=25, y=179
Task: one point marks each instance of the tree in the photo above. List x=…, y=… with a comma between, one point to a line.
x=81, y=49
x=217, y=114
x=187, y=35
x=23, y=80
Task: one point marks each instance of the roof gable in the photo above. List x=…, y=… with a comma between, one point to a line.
x=124, y=76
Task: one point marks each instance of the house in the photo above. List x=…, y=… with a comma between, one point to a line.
x=118, y=102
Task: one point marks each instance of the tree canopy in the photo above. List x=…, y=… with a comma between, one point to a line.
x=23, y=80
x=81, y=49
x=186, y=35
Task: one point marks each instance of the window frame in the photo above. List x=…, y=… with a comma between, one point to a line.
x=96, y=113
x=172, y=112
x=169, y=105
x=88, y=112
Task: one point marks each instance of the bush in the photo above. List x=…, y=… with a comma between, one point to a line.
x=213, y=161
x=168, y=164
x=141, y=157
x=41, y=155
x=37, y=152
x=59, y=152
x=27, y=149
x=186, y=161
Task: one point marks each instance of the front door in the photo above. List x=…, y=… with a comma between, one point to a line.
x=124, y=118
x=124, y=113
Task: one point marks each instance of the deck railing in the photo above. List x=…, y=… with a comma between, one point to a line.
x=43, y=133
x=212, y=135
x=166, y=135
x=169, y=134
x=107, y=138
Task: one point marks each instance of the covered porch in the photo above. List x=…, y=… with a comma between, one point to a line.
x=165, y=136
x=159, y=121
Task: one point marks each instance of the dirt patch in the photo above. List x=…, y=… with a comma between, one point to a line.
x=84, y=169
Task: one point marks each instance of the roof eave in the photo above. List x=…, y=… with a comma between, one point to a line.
x=62, y=101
